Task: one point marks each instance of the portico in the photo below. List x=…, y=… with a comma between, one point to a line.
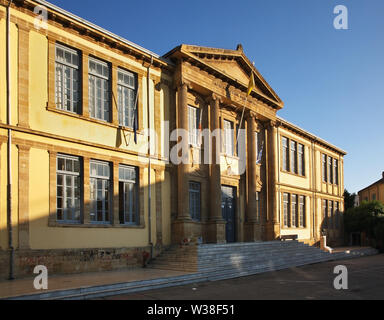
x=235, y=206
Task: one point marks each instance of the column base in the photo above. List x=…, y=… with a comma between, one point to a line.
x=253, y=232
x=186, y=229
x=272, y=231
x=215, y=231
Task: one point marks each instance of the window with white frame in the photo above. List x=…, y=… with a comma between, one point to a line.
x=336, y=171
x=193, y=121
x=68, y=192
x=127, y=97
x=128, y=195
x=99, y=90
x=302, y=211
x=337, y=215
x=228, y=138
x=324, y=167
x=285, y=154
x=325, y=213
x=67, y=86
x=294, y=210
x=301, y=160
x=286, y=209
x=293, y=156
x=195, y=200
x=330, y=216
x=330, y=171
x=100, y=188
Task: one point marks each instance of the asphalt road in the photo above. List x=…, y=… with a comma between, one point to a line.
x=312, y=282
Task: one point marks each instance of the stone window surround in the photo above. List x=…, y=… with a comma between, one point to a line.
x=335, y=179
x=305, y=155
x=84, y=53
x=290, y=194
x=85, y=222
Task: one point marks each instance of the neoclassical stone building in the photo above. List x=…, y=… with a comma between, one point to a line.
x=86, y=193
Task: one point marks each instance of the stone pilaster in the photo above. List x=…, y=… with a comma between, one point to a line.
x=273, y=223
x=23, y=190
x=252, y=225
x=23, y=83
x=216, y=224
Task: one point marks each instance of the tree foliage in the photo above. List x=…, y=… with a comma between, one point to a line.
x=368, y=218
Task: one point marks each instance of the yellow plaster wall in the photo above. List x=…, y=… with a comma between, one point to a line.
x=44, y=237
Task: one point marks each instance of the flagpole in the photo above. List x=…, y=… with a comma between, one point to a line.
x=251, y=86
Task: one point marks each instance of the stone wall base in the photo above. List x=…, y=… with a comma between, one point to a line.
x=272, y=231
x=183, y=230
x=253, y=232
x=215, y=232
x=72, y=260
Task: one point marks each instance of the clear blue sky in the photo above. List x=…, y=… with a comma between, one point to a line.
x=331, y=81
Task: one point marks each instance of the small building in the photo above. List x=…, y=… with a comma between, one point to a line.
x=373, y=192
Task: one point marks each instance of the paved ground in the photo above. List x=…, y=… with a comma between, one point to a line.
x=366, y=281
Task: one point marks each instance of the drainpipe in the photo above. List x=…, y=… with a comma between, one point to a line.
x=149, y=162
x=9, y=167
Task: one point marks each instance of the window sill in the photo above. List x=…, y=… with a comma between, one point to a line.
x=56, y=224
x=294, y=174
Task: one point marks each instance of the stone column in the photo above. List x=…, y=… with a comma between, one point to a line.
x=182, y=226
x=273, y=225
x=216, y=224
x=252, y=232
x=182, y=169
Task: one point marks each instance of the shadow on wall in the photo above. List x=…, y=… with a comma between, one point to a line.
x=66, y=247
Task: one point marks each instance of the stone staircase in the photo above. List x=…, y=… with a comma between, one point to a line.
x=209, y=263
x=224, y=261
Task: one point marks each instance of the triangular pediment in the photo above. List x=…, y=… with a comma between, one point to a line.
x=235, y=65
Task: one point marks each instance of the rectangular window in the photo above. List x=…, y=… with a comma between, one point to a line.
x=336, y=171
x=99, y=90
x=128, y=196
x=67, y=85
x=330, y=205
x=126, y=98
x=330, y=167
x=301, y=160
x=286, y=209
x=228, y=138
x=293, y=157
x=194, y=120
x=324, y=162
x=325, y=214
x=68, y=189
x=294, y=211
x=100, y=188
x=285, y=154
x=337, y=215
x=195, y=200
x=302, y=212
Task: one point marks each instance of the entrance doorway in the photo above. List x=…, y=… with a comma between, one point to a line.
x=228, y=207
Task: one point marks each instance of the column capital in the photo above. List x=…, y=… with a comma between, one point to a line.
x=251, y=115
x=213, y=97
x=180, y=83
x=273, y=123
